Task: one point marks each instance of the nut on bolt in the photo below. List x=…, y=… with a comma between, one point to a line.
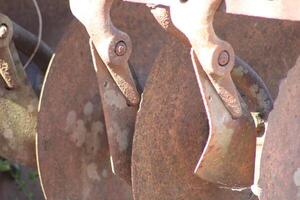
x=121, y=48
x=224, y=58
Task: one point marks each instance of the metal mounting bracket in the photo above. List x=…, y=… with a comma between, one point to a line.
x=7, y=64
x=113, y=45
x=228, y=158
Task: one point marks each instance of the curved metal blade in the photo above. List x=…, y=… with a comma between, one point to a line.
x=171, y=131
x=141, y=59
x=119, y=119
x=229, y=155
x=280, y=163
x=73, y=154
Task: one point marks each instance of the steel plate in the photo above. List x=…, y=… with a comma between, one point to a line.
x=70, y=85
x=171, y=132
x=280, y=168
x=73, y=156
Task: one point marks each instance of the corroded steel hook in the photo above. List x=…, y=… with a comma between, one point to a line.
x=110, y=50
x=228, y=158
x=215, y=55
x=113, y=45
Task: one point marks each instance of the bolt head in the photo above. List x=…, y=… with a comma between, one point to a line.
x=3, y=31
x=121, y=48
x=224, y=58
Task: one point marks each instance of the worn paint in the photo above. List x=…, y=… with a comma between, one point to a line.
x=121, y=136
x=88, y=108
x=115, y=99
x=92, y=172
x=97, y=127
x=104, y=173
x=296, y=178
x=79, y=133
x=66, y=170
x=71, y=119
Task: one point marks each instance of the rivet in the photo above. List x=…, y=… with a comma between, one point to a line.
x=121, y=48
x=224, y=58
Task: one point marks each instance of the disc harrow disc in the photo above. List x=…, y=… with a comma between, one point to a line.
x=280, y=165
x=171, y=132
x=73, y=155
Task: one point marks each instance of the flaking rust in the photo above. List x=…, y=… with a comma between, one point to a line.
x=6, y=73
x=73, y=152
x=18, y=103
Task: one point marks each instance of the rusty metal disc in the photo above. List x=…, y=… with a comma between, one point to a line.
x=171, y=132
x=73, y=156
x=280, y=168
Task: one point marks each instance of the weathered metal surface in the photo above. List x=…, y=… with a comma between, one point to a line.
x=147, y=39
x=113, y=45
x=119, y=120
x=258, y=97
x=7, y=64
x=142, y=60
x=258, y=45
x=165, y=152
x=252, y=88
x=56, y=15
x=18, y=108
x=271, y=47
x=209, y=48
x=73, y=155
x=280, y=167
x=278, y=9
x=252, y=38
x=254, y=92
x=215, y=55
x=229, y=155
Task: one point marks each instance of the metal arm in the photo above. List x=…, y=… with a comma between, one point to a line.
x=113, y=45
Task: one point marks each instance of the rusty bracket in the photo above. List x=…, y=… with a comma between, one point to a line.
x=113, y=45
x=119, y=119
x=110, y=50
x=215, y=55
x=6, y=61
x=229, y=155
x=228, y=158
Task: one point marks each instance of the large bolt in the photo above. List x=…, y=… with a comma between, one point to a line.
x=121, y=48
x=224, y=58
x=3, y=31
